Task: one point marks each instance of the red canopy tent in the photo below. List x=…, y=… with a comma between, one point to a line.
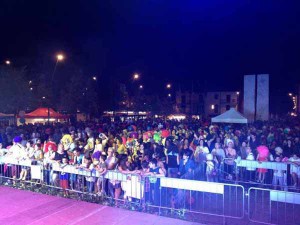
x=43, y=113
x=40, y=115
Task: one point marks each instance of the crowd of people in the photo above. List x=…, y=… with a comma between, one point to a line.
x=186, y=149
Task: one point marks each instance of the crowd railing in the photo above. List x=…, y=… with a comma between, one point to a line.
x=274, y=175
x=162, y=195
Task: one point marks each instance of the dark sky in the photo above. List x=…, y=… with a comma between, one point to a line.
x=210, y=43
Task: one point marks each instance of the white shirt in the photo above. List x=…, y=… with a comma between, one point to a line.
x=250, y=157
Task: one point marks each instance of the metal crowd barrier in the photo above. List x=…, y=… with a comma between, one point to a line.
x=199, y=197
x=162, y=194
x=267, y=206
x=246, y=171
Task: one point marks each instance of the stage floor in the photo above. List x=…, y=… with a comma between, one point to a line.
x=25, y=207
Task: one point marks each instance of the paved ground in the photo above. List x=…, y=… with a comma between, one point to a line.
x=24, y=208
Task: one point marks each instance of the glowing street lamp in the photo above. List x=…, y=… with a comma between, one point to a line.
x=141, y=86
x=7, y=62
x=31, y=89
x=237, y=92
x=95, y=78
x=136, y=76
x=44, y=97
x=60, y=57
x=168, y=86
x=169, y=95
x=290, y=94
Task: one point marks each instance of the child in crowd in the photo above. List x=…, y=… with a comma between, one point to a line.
x=90, y=180
x=211, y=172
x=64, y=177
x=250, y=171
x=278, y=176
x=101, y=168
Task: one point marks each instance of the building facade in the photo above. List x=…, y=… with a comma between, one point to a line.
x=188, y=102
x=207, y=104
x=219, y=102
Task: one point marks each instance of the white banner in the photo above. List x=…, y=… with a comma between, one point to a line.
x=192, y=185
x=287, y=197
x=36, y=172
x=265, y=165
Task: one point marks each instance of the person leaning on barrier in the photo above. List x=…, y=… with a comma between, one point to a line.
x=295, y=170
x=186, y=166
x=16, y=152
x=154, y=172
x=57, y=158
x=278, y=176
x=250, y=171
x=102, y=169
x=77, y=161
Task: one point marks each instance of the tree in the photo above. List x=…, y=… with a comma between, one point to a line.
x=14, y=87
x=79, y=94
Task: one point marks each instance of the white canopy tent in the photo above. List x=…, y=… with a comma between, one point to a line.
x=230, y=116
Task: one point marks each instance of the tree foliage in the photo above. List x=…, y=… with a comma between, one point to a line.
x=15, y=93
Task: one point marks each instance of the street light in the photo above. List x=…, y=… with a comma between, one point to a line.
x=7, y=62
x=60, y=57
x=136, y=76
x=169, y=95
x=141, y=87
x=168, y=86
x=290, y=94
x=94, y=78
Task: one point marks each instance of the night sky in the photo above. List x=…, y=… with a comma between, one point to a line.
x=209, y=43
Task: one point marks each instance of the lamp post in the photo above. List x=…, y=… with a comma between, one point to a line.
x=59, y=57
x=136, y=76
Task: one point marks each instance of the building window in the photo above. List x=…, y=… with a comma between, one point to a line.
x=227, y=107
x=216, y=110
x=228, y=98
x=216, y=96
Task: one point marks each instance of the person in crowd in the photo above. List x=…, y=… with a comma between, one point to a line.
x=295, y=170
x=76, y=180
x=229, y=163
x=262, y=156
x=47, y=164
x=64, y=177
x=278, y=177
x=211, y=171
x=48, y=143
x=186, y=166
x=172, y=158
x=56, y=158
x=154, y=172
x=101, y=169
x=250, y=170
x=38, y=152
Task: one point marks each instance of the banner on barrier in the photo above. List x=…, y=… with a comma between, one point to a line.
x=286, y=197
x=192, y=185
x=265, y=165
x=36, y=172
